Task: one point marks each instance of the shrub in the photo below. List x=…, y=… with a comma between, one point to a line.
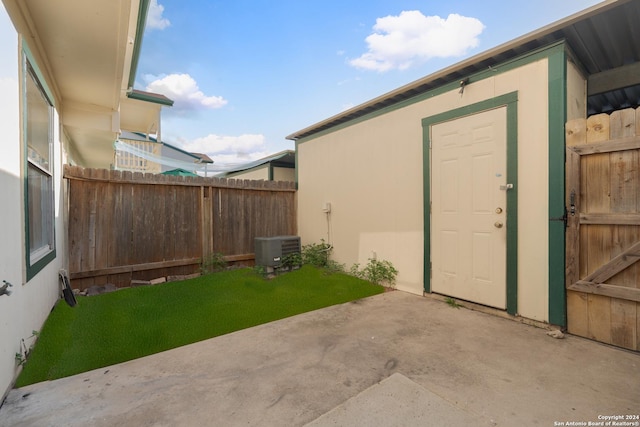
x=212, y=263
x=378, y=272
x=292, y=260
x=318, y=254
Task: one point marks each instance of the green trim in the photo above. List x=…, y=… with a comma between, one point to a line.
x=41, y=80
x=533, y=56
x=296, y=167
x=33, y=269
x=557, y=119
x=270, y=171
x=510, y=100
x=150, y=98
x=137, y=45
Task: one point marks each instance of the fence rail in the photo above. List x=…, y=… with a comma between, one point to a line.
x=127, y=226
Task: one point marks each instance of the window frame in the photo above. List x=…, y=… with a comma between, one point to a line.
x=39, y=258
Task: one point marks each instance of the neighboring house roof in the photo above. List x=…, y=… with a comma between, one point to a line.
x=604, y=38
x=203, y=158
x=179, y=172
x=286, y=158
x=155, y=98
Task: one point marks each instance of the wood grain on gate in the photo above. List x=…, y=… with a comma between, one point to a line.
x=127, y=226
x=603, y=228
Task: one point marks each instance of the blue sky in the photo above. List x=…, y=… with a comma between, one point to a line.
x=244, y=74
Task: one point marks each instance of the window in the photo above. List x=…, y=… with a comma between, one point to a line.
x=38, y=134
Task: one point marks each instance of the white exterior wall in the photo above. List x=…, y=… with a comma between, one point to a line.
x=372, y=174
x=30, y=303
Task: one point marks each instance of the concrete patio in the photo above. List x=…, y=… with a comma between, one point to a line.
x=391, y=360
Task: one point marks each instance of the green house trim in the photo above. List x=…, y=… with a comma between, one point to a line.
x=557, y=119
x=137, y=45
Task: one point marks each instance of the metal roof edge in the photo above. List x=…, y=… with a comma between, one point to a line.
x=504, y=47
x=137, y=47
x=155, y=98
x=262, y=161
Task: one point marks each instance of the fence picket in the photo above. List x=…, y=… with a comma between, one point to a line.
x=125, y=225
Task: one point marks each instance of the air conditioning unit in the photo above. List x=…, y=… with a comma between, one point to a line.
x=270, y=251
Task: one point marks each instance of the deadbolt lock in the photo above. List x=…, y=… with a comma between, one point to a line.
x=498, y=210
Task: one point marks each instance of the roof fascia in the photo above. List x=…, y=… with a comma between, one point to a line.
x=149, y=98
x=505, y=47
x=508, y=65
x=137, y=46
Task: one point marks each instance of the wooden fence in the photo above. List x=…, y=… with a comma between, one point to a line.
x=127, y=226
x=603, y=233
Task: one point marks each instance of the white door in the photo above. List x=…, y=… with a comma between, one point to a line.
x=468, y=212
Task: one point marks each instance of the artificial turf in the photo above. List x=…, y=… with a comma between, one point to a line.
x=111, y=328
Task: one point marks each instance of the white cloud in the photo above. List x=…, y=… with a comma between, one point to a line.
x=399, y=42
x=184, y=91
x=155, y=20
x=229, y=149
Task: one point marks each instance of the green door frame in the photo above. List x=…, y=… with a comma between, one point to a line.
x=510, y=101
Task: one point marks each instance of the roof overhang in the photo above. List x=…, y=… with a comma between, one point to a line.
x=604, y=38
x=88, y=52
x=285, y=158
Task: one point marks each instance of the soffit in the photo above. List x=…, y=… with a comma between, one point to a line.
x=87, y=46
x=85, y=50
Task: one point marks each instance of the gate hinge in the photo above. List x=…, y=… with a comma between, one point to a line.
x=562, y=218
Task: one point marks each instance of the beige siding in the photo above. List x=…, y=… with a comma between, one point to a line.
x=372, y=174
x=284, y=174
x=259, y=172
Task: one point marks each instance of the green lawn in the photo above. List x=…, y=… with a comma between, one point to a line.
x=115, y=327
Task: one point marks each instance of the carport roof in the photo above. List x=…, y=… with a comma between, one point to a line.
x=604, y=38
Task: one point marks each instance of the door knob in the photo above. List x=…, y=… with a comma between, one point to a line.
x=497, y=224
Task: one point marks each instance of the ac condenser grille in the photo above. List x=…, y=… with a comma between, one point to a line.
x=290, y=246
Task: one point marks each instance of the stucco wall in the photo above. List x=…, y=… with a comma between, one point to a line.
x=372, y=174
x=30, y=303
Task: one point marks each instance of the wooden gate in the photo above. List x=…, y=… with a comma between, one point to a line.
x=603, y=228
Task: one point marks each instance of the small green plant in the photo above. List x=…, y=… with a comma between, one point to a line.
x=292, y=260
x=376, y=271
x=22, y=356
x=452, y=303
x=316, y=254
x=212, y=263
